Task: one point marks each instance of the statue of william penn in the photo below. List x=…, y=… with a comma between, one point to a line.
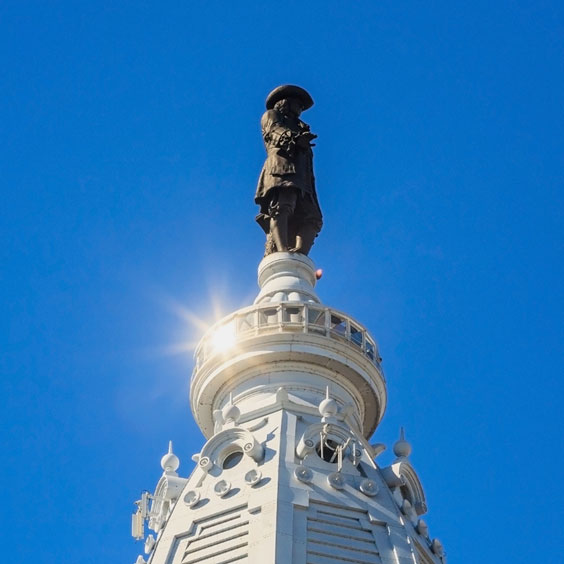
x=289, y=210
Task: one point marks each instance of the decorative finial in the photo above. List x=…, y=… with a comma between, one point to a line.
x=422, y=528
x=170, y=462
x=230, y=412
x=328, y=407
x=402, y=448
x=150, y=542
x=281, y=394
x=437, y=547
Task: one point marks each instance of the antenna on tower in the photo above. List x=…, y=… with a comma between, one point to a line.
x=137, y=526
x=138, y=518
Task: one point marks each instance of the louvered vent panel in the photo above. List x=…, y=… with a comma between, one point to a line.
x=220, y=539
x=337, y=535
x=422, y=557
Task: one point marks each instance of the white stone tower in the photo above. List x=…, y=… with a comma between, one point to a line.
x=287, y=393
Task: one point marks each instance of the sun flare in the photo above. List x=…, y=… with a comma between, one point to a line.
x=223, y=338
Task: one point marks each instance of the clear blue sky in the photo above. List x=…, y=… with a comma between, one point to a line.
x=130, y=154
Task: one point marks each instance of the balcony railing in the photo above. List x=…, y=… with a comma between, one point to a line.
x=285, y=317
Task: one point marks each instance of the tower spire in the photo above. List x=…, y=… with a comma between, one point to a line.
x=287, y=406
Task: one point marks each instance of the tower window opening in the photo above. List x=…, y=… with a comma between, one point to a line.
x=338, y=325
x=231, y=460
x=370, y=350
x=356, y=335
x=293, y=314
x=329, y=451
x=316, y=320
x=268, y=316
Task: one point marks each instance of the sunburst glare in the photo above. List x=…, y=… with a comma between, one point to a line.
x=223, y=338
x=194, y=327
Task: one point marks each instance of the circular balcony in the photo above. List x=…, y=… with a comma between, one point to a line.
x=302, y=347
x=280, y=317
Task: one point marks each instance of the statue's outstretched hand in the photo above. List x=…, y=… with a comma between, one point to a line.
x=305, y=138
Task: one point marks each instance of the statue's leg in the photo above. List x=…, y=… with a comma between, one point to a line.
x=308, y=220
x=305, y=238
x=269, y=245
x=279, y=231
x=280, y=212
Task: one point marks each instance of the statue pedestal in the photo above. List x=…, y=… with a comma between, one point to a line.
x=286, y=277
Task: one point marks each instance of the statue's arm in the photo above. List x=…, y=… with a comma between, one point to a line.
x=275, y=134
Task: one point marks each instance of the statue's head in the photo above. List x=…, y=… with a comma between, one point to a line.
x=289, y=107
x=286, y=92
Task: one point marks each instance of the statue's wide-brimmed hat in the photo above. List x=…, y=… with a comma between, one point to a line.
x=289, y=91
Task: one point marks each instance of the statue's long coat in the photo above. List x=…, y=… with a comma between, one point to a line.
x=286, y=165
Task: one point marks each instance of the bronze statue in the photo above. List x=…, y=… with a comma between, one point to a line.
x=289, y=210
